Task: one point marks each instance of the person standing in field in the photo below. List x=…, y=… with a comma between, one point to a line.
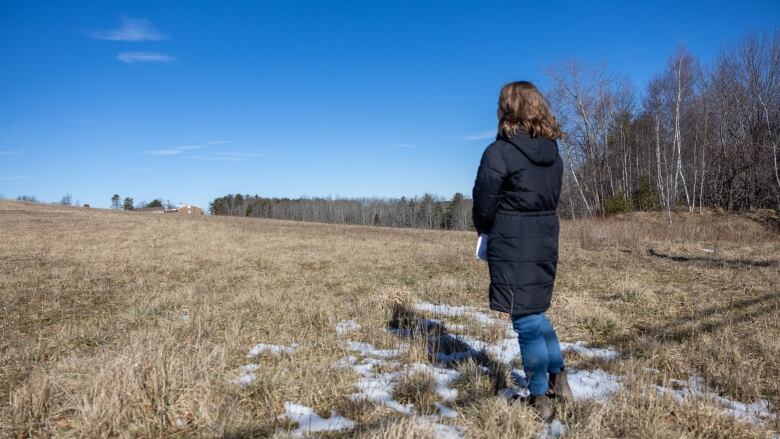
x=515, y=200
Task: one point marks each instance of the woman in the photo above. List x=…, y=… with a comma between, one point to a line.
x=515, y=198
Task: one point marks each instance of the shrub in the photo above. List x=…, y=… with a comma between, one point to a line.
x=645, y=196
x=617, y=204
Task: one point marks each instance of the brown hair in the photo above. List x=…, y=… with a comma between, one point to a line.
x=523, y=108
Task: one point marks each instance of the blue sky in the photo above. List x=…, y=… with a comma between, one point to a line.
x=191, y=100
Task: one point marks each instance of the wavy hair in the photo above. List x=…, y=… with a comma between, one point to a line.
x=523, y=108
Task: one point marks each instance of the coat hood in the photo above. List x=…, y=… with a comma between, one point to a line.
x=540, y=151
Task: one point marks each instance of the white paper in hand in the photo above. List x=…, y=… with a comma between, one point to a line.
x=481, y=251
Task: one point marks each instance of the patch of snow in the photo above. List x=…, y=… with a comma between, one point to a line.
x=443, y=431
x=504, y=351
x=554, y=430
x=511, y=394
x=443, y=378
x=592, y=384
x=345, y=326
x=486, y=319
x=365, y=367
x=247, y=376
x=708, y=250
x=694, y=389
x=455, y=311
x=310, y=422
x=445, y=412
x=457, y=328
x=368, y=350
x=245, y=379
x=345, y=362
x=443, y=309
x=596, y=384
x=519, y=390
x=581, y=348
x=379, y=390
x=272, y=348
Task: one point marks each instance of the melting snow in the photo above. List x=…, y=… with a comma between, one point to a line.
x=345, y=326
x=379, y=390
x=445, y=412
x=592, y=384
x=554, y=429
x=378, y=387
x=447, y=310
x=443, y=431
x=272, y=348
x=694, y=388
x=443, y=378
x=245, y=379
x=247, y=376
x=582, y=349
x=453, y=311
x=595, y=384
x=367, y=349
x=310, y=422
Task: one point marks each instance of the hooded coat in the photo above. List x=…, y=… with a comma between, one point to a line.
x=515, y=198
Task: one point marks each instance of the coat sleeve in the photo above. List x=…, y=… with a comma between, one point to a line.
x=490, y=177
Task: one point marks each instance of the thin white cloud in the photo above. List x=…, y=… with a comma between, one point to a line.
x=404, y=145
x=175, y=150
x=234, y=156
x=136, y=57
x=227, y=156
x=231, y=156
x=131, y=30
x=169, y=151
x=484, y=135
x=7, y=152
x=14, y=177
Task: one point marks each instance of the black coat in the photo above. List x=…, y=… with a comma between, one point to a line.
x=515, y=197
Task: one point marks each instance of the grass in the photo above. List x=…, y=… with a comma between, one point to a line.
x=418, y=388
x=119, y=324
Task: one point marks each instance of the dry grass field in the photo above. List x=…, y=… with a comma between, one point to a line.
x=120, y=324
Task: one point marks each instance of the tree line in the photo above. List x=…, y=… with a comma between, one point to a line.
x=428, y=211
x=128, y=203
x=701, y=135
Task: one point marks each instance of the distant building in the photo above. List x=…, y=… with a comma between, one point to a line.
x=186, y=209
x=150, y=210
x=183, y=209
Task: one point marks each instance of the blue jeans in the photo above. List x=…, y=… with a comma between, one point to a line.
x=539, y=348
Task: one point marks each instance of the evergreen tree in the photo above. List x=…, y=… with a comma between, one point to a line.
x=452, y=218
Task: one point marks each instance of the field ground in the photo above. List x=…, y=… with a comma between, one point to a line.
x=132, y=325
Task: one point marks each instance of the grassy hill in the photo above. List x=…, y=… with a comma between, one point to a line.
x=128, y=324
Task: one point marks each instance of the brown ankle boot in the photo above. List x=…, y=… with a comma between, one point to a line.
x=559, y=386
x=543, y=407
